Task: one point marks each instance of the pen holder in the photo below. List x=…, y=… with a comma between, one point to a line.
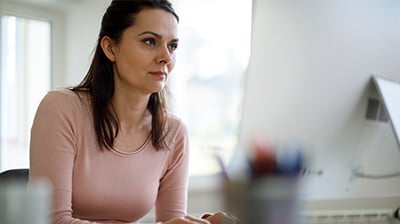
x=264, y=200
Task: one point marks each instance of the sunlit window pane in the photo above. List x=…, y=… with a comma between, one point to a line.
x=207, y=84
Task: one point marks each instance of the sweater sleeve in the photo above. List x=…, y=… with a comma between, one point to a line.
x=52, y=152
x=172, y=195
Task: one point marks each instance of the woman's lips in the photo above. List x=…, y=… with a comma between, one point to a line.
x=159, y=74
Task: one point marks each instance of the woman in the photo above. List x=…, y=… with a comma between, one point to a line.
x=108, y=146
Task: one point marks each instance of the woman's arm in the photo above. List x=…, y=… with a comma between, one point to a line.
x=172, y=194
x=52, y=152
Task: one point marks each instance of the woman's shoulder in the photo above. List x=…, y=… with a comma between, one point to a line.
x=176, y=127
x=65, y=96
x=65, y=100
x=175, y=122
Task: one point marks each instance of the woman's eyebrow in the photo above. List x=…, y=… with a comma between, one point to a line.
x=150, y=32
x=156, y=35
x=175, y=40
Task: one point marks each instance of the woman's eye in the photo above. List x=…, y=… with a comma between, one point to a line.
x=149, y=41
x=173, y=46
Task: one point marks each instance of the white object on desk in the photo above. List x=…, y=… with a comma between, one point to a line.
x=22, y=205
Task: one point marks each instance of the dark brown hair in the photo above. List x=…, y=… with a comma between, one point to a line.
x=99, y=80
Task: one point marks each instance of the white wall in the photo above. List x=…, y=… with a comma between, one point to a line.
x=309, y=80
x=82, y=29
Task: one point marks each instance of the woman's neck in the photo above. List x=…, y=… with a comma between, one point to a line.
x=131, y=111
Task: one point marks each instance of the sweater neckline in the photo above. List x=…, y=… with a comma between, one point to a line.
x=133, y=152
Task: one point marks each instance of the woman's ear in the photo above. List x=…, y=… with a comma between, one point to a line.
x=107, y=44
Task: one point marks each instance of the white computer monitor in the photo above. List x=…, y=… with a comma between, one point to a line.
x=309, y=81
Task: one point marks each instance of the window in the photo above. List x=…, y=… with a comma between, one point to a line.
x=207, y=84
x=25, y=78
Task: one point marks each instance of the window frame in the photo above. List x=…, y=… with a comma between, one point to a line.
x=56, y=19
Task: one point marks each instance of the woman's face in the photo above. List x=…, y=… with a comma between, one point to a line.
x=145, y=56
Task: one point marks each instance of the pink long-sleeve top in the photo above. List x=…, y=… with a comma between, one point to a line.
x=104, y=186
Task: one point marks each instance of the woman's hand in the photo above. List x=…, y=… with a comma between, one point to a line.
x=220, y=218
x=187, y=220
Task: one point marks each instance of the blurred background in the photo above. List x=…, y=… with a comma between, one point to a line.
x=293, y=72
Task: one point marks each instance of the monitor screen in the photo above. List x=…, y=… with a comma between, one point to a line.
x=309, y=82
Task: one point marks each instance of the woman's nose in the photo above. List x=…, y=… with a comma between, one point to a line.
x=165, y=56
